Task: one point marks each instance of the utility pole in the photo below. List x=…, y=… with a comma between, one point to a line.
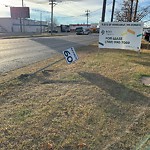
x=135, y=12
x=22, y=19
x=131, y=11
x=104, y=10
x=87, y=14
x=52, y=10
x=113, y=8
x=41, y=22
x=22, y=3
x=52, y=3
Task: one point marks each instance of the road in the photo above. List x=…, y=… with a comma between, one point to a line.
x=17, y=53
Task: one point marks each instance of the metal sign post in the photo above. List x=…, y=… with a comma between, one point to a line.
x=70, y=56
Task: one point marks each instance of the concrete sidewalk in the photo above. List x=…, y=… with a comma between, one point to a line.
x=21, y=35
x=28, y=35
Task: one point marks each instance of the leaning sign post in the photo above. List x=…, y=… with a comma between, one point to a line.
x=70, y=56
x=121, y=35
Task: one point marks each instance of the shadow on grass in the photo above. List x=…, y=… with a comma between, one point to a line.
x=143, y=63
x=44, y=80
x=145, y=46
x=116, y=90
x=141, y=59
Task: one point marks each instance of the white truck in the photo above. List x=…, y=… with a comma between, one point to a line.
x=82, y=31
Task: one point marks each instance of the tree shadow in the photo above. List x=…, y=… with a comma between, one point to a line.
x=58, y=44
x=44, y=79
x=143, y=63
x=116, y=90
x=141, y=59
x=145, y=46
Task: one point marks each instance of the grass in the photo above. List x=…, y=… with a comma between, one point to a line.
x=96, y=103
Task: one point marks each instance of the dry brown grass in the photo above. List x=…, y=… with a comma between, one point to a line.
x=96, y=103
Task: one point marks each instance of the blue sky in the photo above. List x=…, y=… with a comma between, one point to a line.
x=66, y=11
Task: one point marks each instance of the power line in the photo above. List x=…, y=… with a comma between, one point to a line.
x=65, y=7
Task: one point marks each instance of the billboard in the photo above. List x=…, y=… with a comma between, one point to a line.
x=19, y=12
x=121, y=35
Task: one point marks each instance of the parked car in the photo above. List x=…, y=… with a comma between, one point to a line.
x=54, y=31
x=147, y=36
x=82, y=31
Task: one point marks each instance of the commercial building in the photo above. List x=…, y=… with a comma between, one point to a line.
x=10, y=25
x=22, y=25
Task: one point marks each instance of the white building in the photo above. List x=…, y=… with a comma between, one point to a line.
x=74, y=26
x=26, y=25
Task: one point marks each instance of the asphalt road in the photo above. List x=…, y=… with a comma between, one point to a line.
x=17, y=53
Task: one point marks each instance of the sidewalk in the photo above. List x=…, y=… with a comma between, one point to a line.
x=28, y=35
x=21, y=35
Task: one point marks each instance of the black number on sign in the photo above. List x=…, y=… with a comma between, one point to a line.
x=69, y=59
x=66, y=53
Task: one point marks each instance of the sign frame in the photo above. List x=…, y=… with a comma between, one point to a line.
x=121, y=35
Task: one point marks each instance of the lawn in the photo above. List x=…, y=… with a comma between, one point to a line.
x=97, y=103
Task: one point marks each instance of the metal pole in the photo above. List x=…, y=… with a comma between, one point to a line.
x=52, y=3
x=41, y=21
x=113, y=8
x=131, y=10
x=48, y=66
x=20, y=24
x=135, y=12
x=104, y=10
x=87, y=14
x=22, y=19
x=22, y=3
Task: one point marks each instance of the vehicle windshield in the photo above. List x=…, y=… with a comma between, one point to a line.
x=79, y=30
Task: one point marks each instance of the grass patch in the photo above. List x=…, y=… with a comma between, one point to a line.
x=96, y=103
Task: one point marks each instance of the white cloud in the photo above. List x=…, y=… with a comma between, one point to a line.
x=67, y=10
x=63, y=10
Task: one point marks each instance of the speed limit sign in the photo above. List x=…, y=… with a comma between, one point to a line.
x=70, y=55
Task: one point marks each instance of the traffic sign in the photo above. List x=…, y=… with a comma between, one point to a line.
x=70, y=55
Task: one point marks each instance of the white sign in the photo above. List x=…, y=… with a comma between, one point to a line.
x=70, y=55
x=122, y=35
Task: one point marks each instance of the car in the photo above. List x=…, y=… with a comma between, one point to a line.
x=54, y=31
x=147, y=36
x=82, y=31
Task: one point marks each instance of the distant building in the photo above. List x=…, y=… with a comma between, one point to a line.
x=74, y=26
x=23, y=25
x=65, y=28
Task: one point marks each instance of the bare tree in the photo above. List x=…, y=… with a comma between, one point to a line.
x=130, y=11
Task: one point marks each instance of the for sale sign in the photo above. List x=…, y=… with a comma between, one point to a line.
x=121, y=35
x=70, y=55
